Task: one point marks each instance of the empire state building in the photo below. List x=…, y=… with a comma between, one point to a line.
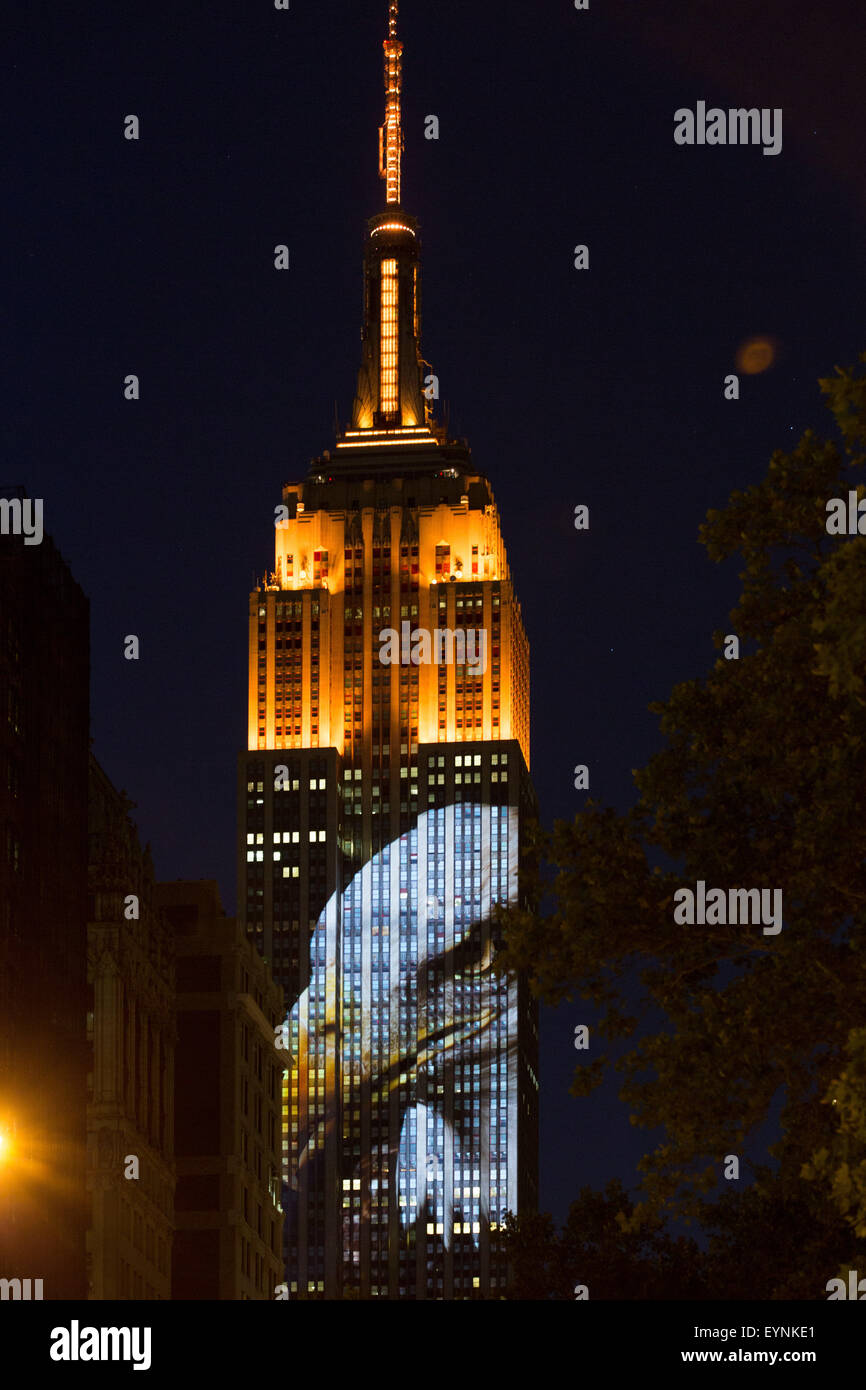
x=383, y=797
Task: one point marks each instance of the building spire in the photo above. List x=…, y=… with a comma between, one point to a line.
x=391, y=401
x=391, y=133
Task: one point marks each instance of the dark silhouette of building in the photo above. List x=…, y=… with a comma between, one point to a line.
x=44, y=743
x=228, y=1096
x=131, y=1029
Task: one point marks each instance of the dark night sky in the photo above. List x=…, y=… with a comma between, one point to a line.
x=603, y=387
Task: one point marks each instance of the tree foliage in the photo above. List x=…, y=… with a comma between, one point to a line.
x=760, y=783
x=841, y=1165
x=597, y=1249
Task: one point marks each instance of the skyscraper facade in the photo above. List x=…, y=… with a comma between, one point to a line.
x=382, y=799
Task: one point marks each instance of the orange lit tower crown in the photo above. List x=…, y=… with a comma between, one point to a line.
x=397, y=513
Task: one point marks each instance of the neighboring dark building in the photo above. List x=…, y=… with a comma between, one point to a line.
x=382, y=800
x=229, y=1079
x=44, y=744
x=131, y=1029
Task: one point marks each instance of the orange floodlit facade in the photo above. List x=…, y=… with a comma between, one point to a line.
x=322, y=585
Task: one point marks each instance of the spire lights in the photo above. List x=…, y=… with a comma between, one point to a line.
x=391, y=134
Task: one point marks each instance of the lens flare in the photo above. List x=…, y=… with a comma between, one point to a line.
x=755, y=355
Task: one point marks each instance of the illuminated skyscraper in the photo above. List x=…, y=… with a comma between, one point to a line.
x=382, y=799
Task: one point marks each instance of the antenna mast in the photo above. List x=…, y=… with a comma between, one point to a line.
x=391, y=133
